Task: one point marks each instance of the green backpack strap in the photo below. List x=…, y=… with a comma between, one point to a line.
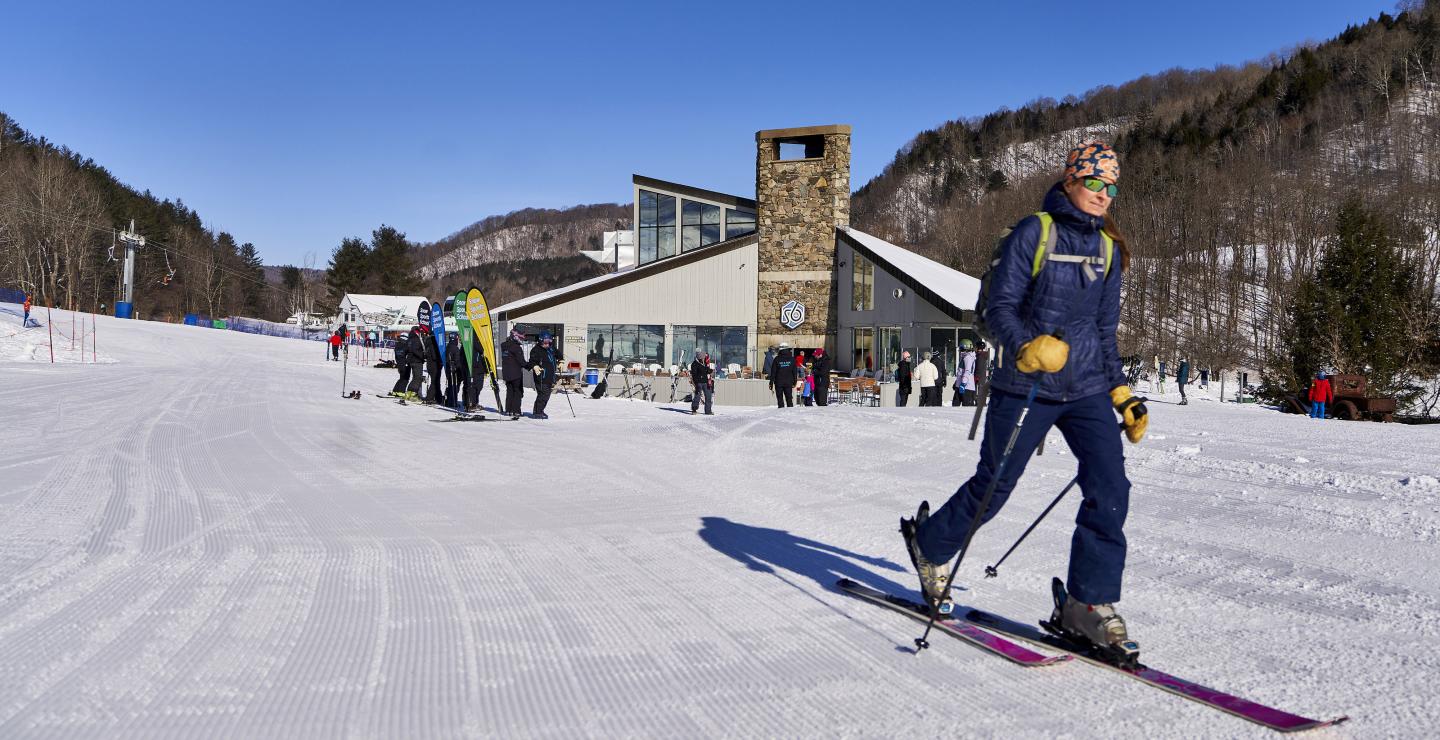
x=1048, y=235
x=1047, y=242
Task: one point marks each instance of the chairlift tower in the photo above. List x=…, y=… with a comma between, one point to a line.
x=126, y=307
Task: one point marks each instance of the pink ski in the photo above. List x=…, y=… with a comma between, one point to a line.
x=1275, y=719
x=1012, y=651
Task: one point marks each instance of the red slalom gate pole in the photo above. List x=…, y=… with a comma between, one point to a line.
x=94, y=343
x=72, y=335
x=50, y=324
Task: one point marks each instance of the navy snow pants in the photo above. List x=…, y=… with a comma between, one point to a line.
x=1090, y=427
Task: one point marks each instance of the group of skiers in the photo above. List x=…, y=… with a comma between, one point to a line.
x=788, y=370
x=929, y=375
x=417, y=355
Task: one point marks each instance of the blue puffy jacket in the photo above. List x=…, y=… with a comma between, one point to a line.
x=1019, y=308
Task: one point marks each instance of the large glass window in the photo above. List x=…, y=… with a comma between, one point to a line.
x=863, y=356
x=657, y=226
x=738, y=223
x=862, y=283
x=727, y=345
x=889, y=350
x=699, y=225
x=625, y=344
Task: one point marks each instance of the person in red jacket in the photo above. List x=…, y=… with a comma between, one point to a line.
x=25, y=322
x=335, y=346
x=1320, y=394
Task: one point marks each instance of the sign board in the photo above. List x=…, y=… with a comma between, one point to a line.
x=422, y=316
x=792, y=314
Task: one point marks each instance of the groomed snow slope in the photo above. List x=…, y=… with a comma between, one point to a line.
x=204, y=540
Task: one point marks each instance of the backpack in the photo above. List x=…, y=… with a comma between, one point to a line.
x=1044, y=252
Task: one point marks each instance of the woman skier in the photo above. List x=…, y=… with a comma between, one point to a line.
x=1059, y=326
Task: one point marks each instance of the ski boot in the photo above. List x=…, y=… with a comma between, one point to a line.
x=934, y=578
x=1094, y=626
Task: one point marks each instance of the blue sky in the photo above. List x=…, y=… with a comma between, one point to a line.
x=294, y=124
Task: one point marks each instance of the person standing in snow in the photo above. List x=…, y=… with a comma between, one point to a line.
x=1205, y=378
x=335, y=346
x=702, y=380
x=807, y=384
x=457, y=374
x=782, y=377
x=432, y=366
x=1320, y=394
x=902, y=379
x=512, y=371
x=925, y=375
x=1182, y=376
x=25, y=321
x=965, y=376
x=821, y=373
x=415, y=355
x=769, y=358
x=1160, y=371
x=938, y=358
x=402, y=364
x=1029, y=314
x=543, y=364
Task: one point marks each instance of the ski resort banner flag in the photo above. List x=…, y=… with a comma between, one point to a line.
x=479, y=315
x=437, y=327
x=422, y=314
x=467, y=335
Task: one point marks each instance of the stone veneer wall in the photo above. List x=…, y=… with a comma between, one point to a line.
x=800, y=202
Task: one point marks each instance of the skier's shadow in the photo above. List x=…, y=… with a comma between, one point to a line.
x=774, y=550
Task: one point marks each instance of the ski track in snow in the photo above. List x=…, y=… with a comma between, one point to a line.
x=200, y=538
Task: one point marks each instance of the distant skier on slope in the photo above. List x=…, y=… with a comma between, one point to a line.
x=1320, y=394
x=25, y=322
x=1025, y=311
x=703, y=382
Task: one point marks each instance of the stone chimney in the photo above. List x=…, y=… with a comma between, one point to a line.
x=801, y=199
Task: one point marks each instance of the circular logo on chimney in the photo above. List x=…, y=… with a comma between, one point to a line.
x=792, y=314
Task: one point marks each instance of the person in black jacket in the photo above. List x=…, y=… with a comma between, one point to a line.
x=512, y=371
x=432, y=367
x=542, y=362
x=475, y=378
x=782, y=376
x=703, y=380
x=457, y=374
x=902, y=376
x=823, y=365
x=937, y=396
x=415, y=355
x=402, y=363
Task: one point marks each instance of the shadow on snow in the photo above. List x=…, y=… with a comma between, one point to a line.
x=773, y=550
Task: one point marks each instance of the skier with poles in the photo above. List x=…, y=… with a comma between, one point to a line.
x=1058, y=322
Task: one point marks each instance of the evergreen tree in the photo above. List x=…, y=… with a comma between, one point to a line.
x=253, y=289
x=1350, y=315
x=349, y=268
x=390, y=268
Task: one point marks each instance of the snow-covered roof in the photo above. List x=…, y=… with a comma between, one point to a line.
x=407, y=305
x=951, y=285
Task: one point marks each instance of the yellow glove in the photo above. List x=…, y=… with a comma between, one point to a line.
x=1043, y=353
x=1132, y=412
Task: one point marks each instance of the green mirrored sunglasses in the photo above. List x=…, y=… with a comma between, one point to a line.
x=1095, y=185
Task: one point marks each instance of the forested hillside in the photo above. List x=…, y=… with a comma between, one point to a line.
x=58, y=214
x=1232, y=189
x=528, y=234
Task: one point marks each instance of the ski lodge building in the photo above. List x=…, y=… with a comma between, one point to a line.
x=386, y=314
x=735, y=276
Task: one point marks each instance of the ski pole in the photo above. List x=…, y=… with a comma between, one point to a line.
x=569, y=403
x=992, y=570
x=344, y=370
x=921, y=642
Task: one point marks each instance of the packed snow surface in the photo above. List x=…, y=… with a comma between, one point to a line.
x=203, y=539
